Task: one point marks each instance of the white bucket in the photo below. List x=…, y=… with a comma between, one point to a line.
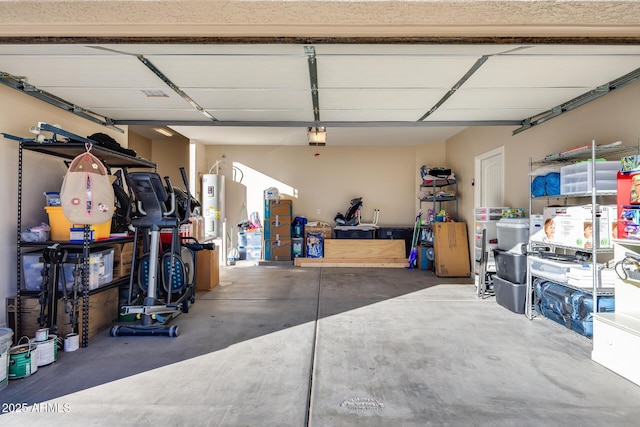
x=47, y=350
x=71, y=342
x=6, y=338
x=42, y=334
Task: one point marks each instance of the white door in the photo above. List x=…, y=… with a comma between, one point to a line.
x=489, y=178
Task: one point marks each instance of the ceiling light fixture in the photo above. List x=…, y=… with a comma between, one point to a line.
x=317, y=135
x=163, y=131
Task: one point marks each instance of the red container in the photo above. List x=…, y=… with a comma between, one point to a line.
x=628, y=213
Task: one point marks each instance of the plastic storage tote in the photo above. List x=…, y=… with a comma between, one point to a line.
x=512, y=233
x=511, y=296
x=511, y=266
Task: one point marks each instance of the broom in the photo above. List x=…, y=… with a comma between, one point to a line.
x=413, y=255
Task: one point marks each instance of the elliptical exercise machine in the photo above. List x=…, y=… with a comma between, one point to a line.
x=156, y=211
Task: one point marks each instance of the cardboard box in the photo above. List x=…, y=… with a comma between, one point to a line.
x=451, y=246
x=103, y=313
x=30, y=314
x=122, y=259
x=277, y=207
x=536, y=221
x=325, y=229
x=277, y=228
x=513, y=213
x=571, y=226
x=277, y=250
x=207, y=269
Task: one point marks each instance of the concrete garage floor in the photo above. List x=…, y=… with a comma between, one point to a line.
x=284, y=346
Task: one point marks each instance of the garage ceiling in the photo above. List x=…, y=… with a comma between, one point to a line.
x=261, y=72
x=218, y=93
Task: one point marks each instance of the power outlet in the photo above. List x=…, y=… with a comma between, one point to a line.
x=317, y=211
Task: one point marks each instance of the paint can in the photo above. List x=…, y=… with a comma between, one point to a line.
x=47, y=350
x=42, y=334
x=6, y=338
x=71, y=342
x=23, y=359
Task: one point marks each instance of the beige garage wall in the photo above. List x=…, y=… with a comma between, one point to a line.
x=615, y=117
x=170, y=156
x=386, y=177
x=141, y=145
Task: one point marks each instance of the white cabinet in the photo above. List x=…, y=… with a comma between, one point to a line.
x=616, y=336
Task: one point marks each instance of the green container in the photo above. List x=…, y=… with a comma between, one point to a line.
x=126, y=318
x=23, y=360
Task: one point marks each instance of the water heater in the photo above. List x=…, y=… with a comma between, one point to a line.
x=213, y=204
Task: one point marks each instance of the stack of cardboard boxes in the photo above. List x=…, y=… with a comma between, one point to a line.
x=277, y=230
x=103, y=313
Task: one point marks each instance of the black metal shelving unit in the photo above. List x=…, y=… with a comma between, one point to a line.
x=436, y=198
x=68, y=148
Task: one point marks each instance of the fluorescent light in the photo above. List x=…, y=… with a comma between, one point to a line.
x=163, y=131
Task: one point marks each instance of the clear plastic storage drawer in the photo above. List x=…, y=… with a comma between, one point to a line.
x=577, y=178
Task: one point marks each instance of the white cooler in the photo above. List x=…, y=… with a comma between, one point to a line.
x=512, y=234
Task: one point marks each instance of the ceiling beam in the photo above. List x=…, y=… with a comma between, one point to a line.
x=327, y=124
x=312, y=60
x=579, y=101
x=51, y=99
x=390, y=40
x=166, y=80
x=475, y=67
x=175, y=88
